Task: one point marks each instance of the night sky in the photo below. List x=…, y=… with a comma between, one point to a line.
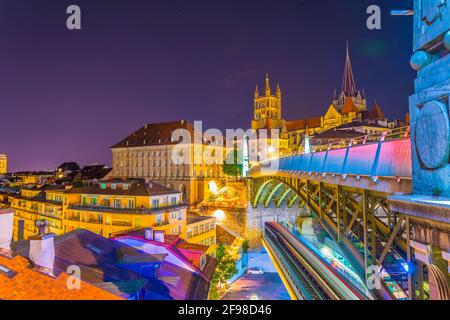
x=70, y=95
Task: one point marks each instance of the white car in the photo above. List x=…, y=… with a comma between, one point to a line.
x=255, y=271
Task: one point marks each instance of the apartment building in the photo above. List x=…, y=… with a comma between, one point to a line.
x=105, y=208
x=147, y=154
x=3, y=164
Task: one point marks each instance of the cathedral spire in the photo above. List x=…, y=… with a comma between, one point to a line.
x=348, y=83
x=278, y=90
x=256, y=92
x=267, y=85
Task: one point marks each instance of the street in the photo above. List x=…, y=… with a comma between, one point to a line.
x=258, y=287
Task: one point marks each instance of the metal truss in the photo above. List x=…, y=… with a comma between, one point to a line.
x=359, y=220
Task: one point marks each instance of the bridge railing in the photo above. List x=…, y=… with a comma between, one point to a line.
x=389, y=134
x=387, y=155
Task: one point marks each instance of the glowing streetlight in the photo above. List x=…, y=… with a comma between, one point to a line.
x=219, y=215
x=212, y=185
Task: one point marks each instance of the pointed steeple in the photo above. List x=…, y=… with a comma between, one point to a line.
x=376, y=111
x=348, y=82
x=256, y=92
x=278, y=90
x=267, y=91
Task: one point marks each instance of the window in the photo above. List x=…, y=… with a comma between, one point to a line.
x=94, y=201
x=117, y=203
x=131, y=203
x=173, y=200
x=103, y=186
x=155, y=203
x=180, y=215
x=113, y=186
x=125, y=187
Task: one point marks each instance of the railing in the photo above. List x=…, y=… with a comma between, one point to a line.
x=121, y=223
x=161, y=224
x=94, y=221
x=73, y=218
x=389, y=134
x=127, y=210
x=387, y=155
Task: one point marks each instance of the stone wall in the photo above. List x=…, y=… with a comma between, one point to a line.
x=235, y=219
x=257, y=217
x=224, y=237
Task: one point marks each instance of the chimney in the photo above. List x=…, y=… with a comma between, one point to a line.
x=42, y=249
x=148, y=234
x=6, y=231
x=159, y=236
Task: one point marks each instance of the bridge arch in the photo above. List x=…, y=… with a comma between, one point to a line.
x=267, y=190
x=438, y=282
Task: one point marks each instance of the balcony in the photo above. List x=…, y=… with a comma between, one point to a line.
x=73, y=218
x=81, y=207
x=161, y=224
x=94, y=221
x=121, y=223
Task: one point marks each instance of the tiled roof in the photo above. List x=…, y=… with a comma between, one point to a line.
x=356, y=124
x=174, y=244
x=337, y=134
x=155, y=134
x=137, y=187
x=98, y=257
x=303, y=124
x=192, y=246
x=194, y=218
x=28, y=284
x=349, y=106
x=376, y=112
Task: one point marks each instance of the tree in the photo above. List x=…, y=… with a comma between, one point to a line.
x=235, y=169
x=245, y=246
x=226, y=268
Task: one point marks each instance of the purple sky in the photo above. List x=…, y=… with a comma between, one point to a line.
x=69, y=96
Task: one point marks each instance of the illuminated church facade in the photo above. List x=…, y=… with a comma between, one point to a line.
x=347, y=112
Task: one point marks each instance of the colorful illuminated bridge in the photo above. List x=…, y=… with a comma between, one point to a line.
x=348, y=188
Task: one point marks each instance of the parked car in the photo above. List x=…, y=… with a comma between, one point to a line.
x=257, y=270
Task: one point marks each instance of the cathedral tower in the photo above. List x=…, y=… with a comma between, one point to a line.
x=267, y=108
x=349, y=90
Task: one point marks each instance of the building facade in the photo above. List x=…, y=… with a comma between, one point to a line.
x=104, y=208
x=347, y=110
x=3, y=164
x=201, y=230
x=149, y=153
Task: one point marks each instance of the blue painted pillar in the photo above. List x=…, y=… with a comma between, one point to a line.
x=429, y=106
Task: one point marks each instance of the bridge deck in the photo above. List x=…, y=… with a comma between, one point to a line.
x=385, y=159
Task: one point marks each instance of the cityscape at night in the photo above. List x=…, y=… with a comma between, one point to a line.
x=231, y=153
